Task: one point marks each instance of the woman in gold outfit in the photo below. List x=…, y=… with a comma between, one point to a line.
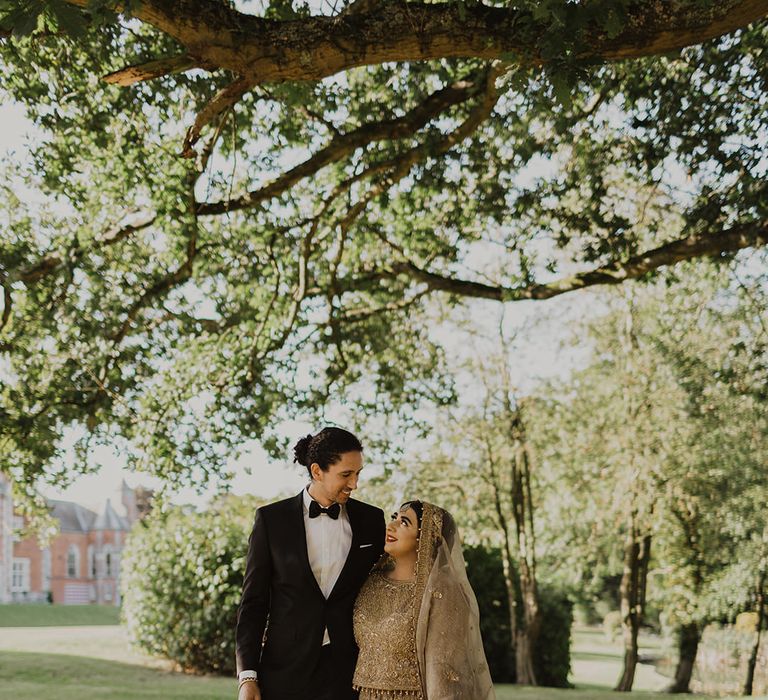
x=416, y=619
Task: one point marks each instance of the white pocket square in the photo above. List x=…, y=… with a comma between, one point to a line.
x=366, y=545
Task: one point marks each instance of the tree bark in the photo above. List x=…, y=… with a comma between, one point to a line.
x=217, y=36
x=687, y=248
x=637, y=554
x=688, y=637
x=761, y=620
x=522, y=506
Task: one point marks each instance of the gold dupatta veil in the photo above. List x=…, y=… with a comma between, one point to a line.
x=451, y=659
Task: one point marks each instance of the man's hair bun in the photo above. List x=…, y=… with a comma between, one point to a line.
x=301, y=451
x=325, y=448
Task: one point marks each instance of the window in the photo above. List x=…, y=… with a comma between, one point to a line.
x=46, y=569
x=73, y=562
x=108, y=563
x=20, y=576
x=91, y=562
x=18, y=526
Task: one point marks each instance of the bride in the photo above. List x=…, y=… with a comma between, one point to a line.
x=416, y=619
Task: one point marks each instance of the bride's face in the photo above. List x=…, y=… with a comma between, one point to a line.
x=402, y=533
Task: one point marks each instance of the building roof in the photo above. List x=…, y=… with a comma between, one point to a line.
x=110, y=520
x=72, y=516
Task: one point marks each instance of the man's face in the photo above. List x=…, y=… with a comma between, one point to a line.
x=336, y=485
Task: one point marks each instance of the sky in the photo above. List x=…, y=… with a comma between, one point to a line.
x=536, y=354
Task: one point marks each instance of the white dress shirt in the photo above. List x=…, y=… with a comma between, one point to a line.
x=328, y=545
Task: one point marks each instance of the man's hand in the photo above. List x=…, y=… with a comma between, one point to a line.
x=249, y=691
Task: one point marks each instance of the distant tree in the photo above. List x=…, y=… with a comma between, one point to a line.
x=694, y=454
x=483, y=470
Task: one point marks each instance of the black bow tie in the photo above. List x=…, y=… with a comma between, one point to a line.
x=332, y=511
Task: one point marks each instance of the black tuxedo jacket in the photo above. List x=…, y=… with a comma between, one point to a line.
x=283, y=613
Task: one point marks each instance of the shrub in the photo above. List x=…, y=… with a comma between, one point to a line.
x=746, y=622
x=486, y=576
x=552, y=662
x=612, y=624
x=181, y=579
x=552, y=653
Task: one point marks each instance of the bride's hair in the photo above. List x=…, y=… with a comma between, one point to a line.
x=417, y=506
x=325, y=448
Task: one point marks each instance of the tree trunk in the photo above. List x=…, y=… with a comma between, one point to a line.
x=688, y=637
x=689, y=634
x=522, y=507
x=637, y=545
x=637, y=553
x=525, y=627
x=761, y=614
x=512, y=593
x=510, y=582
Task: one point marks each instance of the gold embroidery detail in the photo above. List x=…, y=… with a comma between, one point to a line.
x=384, y=622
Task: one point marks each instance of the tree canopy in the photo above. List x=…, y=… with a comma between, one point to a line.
x=254, y=216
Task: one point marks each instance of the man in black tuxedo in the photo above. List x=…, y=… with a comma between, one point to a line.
x=307, y=558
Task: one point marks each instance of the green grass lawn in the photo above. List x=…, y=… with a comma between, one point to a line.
x=43, y=615
x=596, y=661
x=97, y=663
x=28, y=676
x=25, y=676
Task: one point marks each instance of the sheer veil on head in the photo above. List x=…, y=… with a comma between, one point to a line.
x=450, y=652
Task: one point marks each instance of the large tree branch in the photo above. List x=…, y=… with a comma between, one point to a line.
x=151, y=69
x=345, y=144
x=731, y=240
x=53, y=263
x=222, y=101
x=310, y=48
x=395, y=169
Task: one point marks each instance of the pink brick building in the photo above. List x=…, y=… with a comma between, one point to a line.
x=82, y=563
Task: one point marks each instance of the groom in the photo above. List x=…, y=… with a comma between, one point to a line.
x=307, y=558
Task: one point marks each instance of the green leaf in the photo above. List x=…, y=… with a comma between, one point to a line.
x=613, y=24
x=23, y=21
x=562, y=88
x=69, y=19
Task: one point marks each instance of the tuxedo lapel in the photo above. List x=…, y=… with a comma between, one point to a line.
x=299, y=535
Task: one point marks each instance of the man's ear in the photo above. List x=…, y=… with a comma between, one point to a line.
x=315, y=470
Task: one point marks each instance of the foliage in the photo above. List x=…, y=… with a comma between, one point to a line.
x=487, y=580
x=722, y=661
x=187, y=305
x=552, y=656
x=181, y=579
x=695, y=451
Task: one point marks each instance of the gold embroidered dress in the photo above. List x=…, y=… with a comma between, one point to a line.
x=420, y=640
x=384, y=619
